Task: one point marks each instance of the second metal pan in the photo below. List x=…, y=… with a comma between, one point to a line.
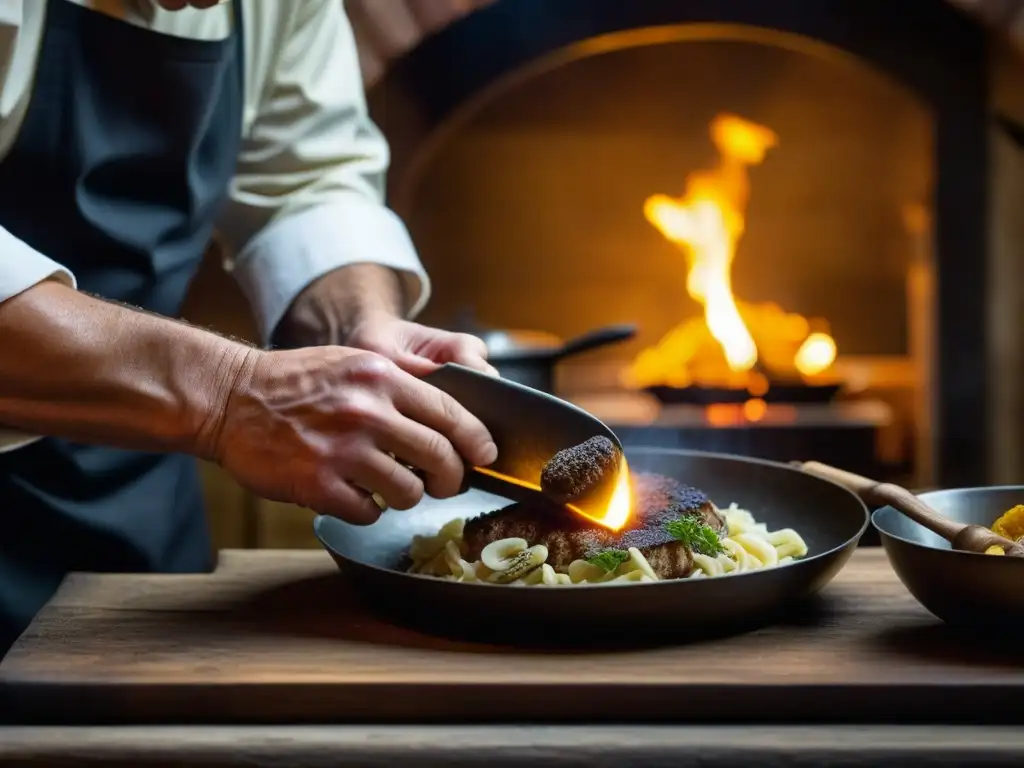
x=829, y=518
x=964, y=588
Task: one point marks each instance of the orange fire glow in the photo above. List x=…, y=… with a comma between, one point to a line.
x=616, y=513
x=620, y=505
x=723, y=347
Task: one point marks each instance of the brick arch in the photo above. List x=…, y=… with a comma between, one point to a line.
x=387, y=29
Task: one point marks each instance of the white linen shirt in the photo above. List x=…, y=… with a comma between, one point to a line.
x=307, y=196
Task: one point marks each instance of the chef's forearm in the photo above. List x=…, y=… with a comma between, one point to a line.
x=78, y=367
x=330, y=308
x=365, y=289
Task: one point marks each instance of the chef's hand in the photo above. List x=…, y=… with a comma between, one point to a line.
x=325, y=427
x=417, y=348
x=360, y=305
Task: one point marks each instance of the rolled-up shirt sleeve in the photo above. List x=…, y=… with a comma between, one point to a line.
x=22, y=267
x=308, y=195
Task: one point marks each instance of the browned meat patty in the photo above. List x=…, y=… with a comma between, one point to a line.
x=568, y=536
x=581, y=471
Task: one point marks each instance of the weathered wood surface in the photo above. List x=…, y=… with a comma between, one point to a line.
x=277, y=637
x=513, y=746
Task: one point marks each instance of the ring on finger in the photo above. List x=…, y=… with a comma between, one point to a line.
x=379, y=500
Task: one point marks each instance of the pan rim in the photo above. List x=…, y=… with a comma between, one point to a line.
x=575, y=588
x=918, y=545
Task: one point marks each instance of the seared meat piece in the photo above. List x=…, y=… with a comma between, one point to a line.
x=568, y=536
x=575, y=473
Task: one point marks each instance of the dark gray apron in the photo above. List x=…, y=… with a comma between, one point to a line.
x=118, y=172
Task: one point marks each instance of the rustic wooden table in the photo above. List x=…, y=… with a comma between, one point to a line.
x=271, y=660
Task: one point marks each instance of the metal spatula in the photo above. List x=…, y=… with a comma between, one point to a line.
x=528, y=426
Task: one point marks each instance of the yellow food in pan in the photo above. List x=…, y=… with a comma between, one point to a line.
x=1010, y=526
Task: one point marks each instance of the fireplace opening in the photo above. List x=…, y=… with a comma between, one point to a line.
x=766, y=197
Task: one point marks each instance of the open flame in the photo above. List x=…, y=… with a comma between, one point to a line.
x=707, y=222
x=617, y=510
x=620, y=503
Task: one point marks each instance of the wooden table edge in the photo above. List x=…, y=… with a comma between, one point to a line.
x=556, y=746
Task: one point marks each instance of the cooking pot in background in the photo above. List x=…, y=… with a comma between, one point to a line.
x=530, y=357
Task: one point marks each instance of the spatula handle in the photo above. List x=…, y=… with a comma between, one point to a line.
x=876, y=494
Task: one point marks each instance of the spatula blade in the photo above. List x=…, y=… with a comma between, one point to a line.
x=528, y=426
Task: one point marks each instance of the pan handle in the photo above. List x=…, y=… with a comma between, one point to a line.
x=601, y=337
x=878, y=494
x=863, y=487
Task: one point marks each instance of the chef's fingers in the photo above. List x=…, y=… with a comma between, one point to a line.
x=470, y=351
x=438, y=410
x=377, y=472
x=460, y=348
x=428, y=451
x=326, y=493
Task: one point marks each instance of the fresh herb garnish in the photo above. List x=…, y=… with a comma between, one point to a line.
x=695, y=534
x=609, y=559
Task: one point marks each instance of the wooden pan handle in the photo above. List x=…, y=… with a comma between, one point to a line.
x=877, y=494
x=864, y=487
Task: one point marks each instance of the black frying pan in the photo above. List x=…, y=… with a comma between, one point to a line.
x=830, y=519
x=535, y=366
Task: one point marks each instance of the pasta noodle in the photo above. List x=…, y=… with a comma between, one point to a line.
x=749, y=546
